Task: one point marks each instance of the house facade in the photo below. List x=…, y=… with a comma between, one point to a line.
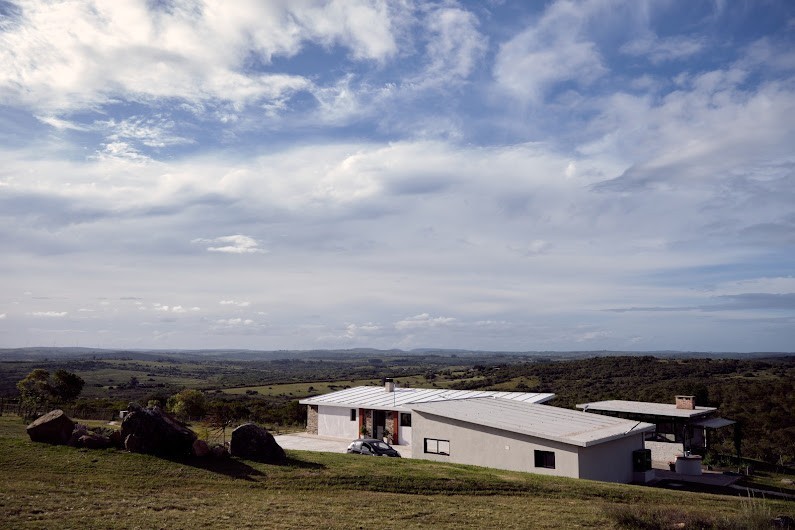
x=517, y=436
x=386, y=412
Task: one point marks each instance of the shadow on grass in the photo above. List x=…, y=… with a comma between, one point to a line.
x=237, y=468
x=231, y=467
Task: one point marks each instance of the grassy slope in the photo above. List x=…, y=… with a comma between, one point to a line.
x=46, y=486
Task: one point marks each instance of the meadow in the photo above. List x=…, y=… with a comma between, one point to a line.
x=55, y=486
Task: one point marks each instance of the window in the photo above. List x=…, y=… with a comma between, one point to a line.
x=437, y=447
x=353, y=414
x=405, y=419
x=545, y=459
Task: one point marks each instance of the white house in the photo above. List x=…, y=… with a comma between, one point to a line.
x=524, y=436
x=380, y=411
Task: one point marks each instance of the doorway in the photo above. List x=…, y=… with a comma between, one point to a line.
x=379, y=424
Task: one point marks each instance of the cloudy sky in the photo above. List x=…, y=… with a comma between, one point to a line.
x=508, y=175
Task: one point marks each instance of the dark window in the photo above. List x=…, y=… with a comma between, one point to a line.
x=437, y=447
x=353, y=414
x=545, y=459
x=405, y=419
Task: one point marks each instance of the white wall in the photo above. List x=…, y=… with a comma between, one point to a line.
x=404, y=435
x=336, y=422
x=488, y=447
x=610, y=461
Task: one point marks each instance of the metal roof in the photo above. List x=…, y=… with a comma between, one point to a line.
x=644, y=407
x=376, y=397
x=541, y=421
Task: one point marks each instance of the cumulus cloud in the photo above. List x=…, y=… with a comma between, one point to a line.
x=551, y=50
x=236, y=244
x=236, y=303
x=423, y=320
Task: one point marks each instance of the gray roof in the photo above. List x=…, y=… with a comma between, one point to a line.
x=376, y=397
x=643, y=407
x=541, y=421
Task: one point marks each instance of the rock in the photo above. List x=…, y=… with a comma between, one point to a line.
x=152, y=431
x=77, y=432
x=53, y=428
x=783, y=521
x=787, y=481
x=93, y=440
x=116, y=440
x=200, y=448
x=219, y=451
x=255, y=443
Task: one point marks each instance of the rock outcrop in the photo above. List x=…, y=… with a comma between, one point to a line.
x=255, y=443
x=152, y=431
x=55, y=427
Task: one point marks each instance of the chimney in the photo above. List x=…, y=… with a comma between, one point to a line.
x=686, y=402
x=389, y=385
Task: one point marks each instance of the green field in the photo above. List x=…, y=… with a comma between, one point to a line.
x=313, y=388
x=45, y=487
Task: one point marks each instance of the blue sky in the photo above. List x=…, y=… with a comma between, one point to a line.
x=487, y=175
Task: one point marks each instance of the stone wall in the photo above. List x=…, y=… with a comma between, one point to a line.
x=311, y=419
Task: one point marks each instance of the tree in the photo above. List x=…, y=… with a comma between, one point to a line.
x=187, y=404
x=38, y=390
x=66, y=386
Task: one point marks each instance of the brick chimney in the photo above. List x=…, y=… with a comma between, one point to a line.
x=389, y=385
x=686, y=402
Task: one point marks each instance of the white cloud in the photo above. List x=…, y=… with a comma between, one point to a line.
x=188, y=52
x=423, y=320
x=552, y=50
x=455, y=45
x=237, y=303
x=2, y=316
x=236, y=244
x=49, y=314
x=664, y=49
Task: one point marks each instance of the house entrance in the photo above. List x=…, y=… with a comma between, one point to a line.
x=379, y=423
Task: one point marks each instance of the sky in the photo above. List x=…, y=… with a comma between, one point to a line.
x=515, y=176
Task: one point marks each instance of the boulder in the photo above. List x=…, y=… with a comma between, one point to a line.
x=116, y=440
x=200, y=448
x=255, y=443
x=77, y=432
x=152, y=431
x=53, y=428
x=219, y=451
x=93, y=440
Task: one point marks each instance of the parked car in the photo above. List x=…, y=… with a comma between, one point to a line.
x=372, y=447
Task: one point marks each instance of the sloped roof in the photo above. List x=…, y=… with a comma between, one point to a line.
x=376, y=397
x=542, y=421
x=644, y=407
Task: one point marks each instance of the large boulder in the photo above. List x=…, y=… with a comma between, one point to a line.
x=255, y=443
x=152, y=431
x=92, y=440
x=200, y=448
x=55, y=427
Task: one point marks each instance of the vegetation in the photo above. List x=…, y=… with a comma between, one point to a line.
x=39, y=390
x=57, y=486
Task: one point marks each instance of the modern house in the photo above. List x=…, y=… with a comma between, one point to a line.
x=504, y=430
x=680, y=428
x=386, y=411
x=522, y=436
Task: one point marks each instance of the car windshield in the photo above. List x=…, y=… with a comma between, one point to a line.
x=381, y=445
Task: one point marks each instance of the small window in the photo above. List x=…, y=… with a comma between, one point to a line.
x=353, y=414
x=545, y=459
x=437, y=447
x=405, y=419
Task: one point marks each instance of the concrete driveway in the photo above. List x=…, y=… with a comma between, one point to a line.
x=311, y=442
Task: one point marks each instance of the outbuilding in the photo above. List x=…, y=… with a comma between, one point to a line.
x=523, y=436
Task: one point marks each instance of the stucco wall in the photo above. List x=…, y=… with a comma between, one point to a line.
x=488, y=447
x=336, y=422
x=664, y=452
x=610, y=461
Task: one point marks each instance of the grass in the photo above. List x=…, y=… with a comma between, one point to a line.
x=48, y=486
